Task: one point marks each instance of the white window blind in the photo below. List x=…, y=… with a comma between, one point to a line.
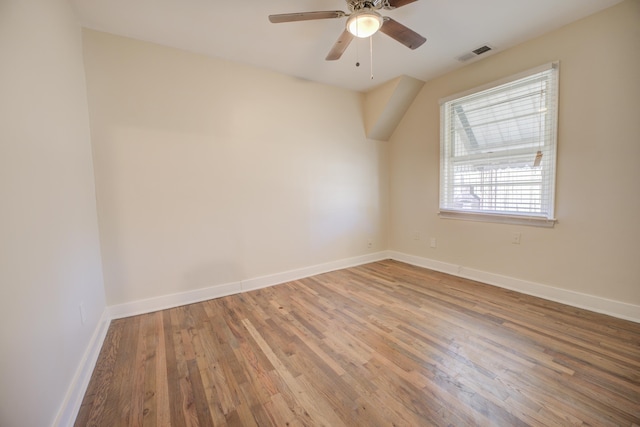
x=498, y=149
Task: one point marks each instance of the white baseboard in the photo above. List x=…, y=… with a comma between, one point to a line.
x=73, y=399
x=577, y=299
x=163, y=302
x=301, y=273
x=613, y=308
x=175, y=300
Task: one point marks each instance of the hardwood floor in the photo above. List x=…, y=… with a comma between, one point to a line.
x=380, y=344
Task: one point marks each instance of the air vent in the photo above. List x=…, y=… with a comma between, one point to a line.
x=474, y=53
x=481, y=50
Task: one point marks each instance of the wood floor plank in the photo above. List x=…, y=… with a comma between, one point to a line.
x=319, y=411
x=142, y=363
x=148, y=410
x=384, y=343
x=121, y=388
x=94, y=402
x=163, y=410
x=176, y=414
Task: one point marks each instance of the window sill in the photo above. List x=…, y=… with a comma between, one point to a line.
x=533, y=221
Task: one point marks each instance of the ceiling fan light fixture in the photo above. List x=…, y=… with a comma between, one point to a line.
x=364, y=23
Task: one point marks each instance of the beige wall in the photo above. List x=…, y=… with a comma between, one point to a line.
x=595, y=247
x=49, y=247
x=210, y=172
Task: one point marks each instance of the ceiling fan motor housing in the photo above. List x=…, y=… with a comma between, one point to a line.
x=357, y=5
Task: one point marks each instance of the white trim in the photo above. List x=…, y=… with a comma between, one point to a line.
x=545, y=80
x=535, y=221
x=163, y=302
x=577, y=299
x=75, y=393
x=71, y=405
x=598, y=304
x=288, y=276
x=503, y=81
x=175, y=300
x=73, y=399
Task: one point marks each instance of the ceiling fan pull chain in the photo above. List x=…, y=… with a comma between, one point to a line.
x=357, y=55
x=371, y=55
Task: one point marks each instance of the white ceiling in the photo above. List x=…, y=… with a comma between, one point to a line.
x=239, y=30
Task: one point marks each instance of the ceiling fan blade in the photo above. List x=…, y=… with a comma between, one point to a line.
x=402, y=34
x=340, y=46
x=399, y=3
x=306, y=16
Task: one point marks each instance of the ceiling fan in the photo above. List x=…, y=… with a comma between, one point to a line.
x=363, y=21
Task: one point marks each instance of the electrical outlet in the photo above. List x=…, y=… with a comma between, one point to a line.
x=416, y=235
x=433, y=242
x=515, y=238
x=83, y=314
x=369, y=243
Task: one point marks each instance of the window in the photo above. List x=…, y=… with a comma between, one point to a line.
x=498, y=150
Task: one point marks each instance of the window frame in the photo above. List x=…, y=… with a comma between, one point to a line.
x=446, y=164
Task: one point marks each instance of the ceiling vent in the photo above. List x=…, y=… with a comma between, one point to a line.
x=475, y=53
